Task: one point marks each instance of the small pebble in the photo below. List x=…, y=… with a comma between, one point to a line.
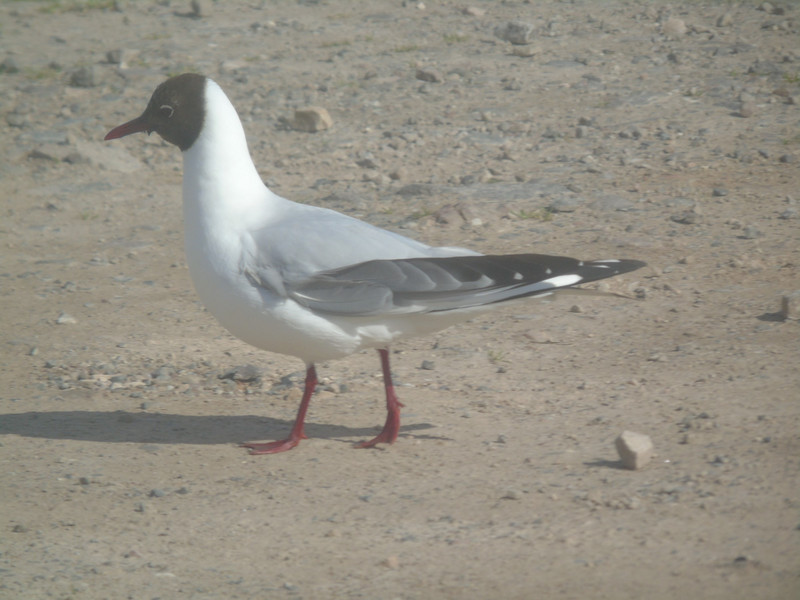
x=725, y=20
x=9, y=65
x=790, y=306
x=473, y=11
x=751, y=233
x=199, y=9
x=516, y=32
x=120, y=57
x=243, y=373
x=312, y=119
x=747, y=109
x=674, y=28
x=84, y=77
x=65, y=319
x=686, y=218
x=429, y=75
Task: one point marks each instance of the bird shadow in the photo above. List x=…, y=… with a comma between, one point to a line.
x=165, y=428
x=607, y=464
x=772, y=317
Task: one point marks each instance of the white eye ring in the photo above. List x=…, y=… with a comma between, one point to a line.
x=166, y=111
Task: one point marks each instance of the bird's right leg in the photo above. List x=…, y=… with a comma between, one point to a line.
x=297, y=430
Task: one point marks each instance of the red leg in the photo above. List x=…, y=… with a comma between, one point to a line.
x=393, y=405
x=297, y=430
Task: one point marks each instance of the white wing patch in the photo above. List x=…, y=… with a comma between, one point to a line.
x=563, y=280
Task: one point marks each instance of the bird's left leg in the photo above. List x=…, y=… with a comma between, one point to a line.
x=392, y=426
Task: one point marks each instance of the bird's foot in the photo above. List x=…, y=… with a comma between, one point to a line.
x=272, y=447
x=383, y=438
x=389, y=433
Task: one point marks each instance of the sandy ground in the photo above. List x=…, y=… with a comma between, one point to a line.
x=666, y=132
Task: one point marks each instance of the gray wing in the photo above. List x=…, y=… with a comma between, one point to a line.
x=418, y=285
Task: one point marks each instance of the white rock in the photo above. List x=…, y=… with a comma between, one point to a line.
x=635, y=449
x=65, y=319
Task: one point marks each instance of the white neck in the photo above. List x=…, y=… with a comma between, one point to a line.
x=220, y=181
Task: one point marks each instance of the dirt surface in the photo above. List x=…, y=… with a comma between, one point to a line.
x=666, y=132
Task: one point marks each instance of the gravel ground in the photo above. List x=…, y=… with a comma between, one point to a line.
x=662, y=131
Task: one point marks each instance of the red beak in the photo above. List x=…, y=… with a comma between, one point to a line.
x=135, y=126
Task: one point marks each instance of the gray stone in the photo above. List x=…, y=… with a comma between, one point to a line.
x=516, y=32
x=9, y=65
x=568, y=204
x=613, y=203
x=243, y=373
x=429, y=75
x=747, y=109
x=751, y=233
x=41, y=154
x=17, y=120
x=84, y=77
x=688, y=217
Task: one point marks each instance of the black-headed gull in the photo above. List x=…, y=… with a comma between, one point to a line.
x=310, y=282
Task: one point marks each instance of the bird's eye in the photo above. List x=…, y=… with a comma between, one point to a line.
x=166, y=111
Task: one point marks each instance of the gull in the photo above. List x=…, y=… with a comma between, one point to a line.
x=313, y=283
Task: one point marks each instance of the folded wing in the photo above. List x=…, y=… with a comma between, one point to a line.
x=419, y=285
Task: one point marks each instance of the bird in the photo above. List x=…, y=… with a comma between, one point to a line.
x=310, y=282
